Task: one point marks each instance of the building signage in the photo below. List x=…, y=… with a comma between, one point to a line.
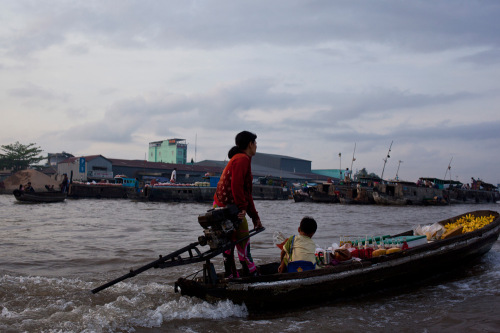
x=100, y=174
x=82, y=165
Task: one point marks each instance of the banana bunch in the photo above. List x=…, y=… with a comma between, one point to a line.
x=470, y=223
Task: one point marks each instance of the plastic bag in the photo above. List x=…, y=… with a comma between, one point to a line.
x=431, y=231
x=279, y=239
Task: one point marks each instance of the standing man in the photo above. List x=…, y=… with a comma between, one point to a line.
x=235, y=187
x=65, y=183
x=347, y=175
x=173, y=178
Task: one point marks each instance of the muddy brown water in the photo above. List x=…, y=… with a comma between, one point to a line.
x=52, y=255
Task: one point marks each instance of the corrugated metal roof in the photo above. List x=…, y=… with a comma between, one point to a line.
x=87, y=158
x=210, y=166
x=281, y=156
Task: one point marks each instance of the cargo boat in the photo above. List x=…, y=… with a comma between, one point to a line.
x=200, y=192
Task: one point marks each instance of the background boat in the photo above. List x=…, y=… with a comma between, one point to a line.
x=39, y=196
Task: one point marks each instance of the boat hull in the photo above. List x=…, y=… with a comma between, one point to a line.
x=98, y=191
x=39, y=196
x=278, y=291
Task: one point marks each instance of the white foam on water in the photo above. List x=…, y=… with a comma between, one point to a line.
x=189, y=308
x=51, y=304
x=8, y=314
x=125, y=313
x=297, y=326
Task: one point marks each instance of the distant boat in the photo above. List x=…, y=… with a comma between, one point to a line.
x=39, y=196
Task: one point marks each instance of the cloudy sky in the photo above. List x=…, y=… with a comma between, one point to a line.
x=311, y=78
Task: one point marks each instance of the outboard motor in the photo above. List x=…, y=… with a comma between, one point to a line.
x=218, y=225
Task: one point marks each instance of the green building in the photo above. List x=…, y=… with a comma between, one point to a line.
x=168, y=151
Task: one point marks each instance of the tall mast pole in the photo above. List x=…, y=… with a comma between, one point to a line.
x=448, y=168
x=353, y=159
x=385, y=159
x=340, y=165
x=397, y=172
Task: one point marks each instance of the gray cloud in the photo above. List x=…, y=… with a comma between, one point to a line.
x=416, y=26
x=223, y=109
x=484, y=58
x=310, y=78
x=33, y=91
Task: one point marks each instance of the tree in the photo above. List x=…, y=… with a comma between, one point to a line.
x=19, y=157
x=364, y=173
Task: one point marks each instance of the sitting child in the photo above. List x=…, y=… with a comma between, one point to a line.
x=300, y=247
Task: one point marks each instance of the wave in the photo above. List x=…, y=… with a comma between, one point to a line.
x=49, y=304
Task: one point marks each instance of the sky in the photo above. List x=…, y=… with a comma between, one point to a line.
x=313, y=79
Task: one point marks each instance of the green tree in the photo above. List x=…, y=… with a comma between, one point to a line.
x=364, y=173
x=19, y=157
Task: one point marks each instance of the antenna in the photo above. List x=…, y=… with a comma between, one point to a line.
x=385, y=159
x=195, y=142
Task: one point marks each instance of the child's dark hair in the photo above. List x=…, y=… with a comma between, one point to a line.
x=242, y=141
x=308, y=225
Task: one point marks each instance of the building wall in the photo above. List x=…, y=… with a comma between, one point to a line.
x=95, y=169
x=333, y=173
x=153, y=151
x=67, y=168
x=54, y=159
x=99, y=168
x=295, y=165
x=168, y=151
x=162, y=175
x=282, y=163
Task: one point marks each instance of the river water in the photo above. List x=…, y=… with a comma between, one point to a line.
x=52, y=255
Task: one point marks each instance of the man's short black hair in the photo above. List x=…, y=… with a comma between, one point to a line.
x=308, y=225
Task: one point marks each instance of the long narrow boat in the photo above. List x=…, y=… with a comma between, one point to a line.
x=39, y=196
x=271, y=290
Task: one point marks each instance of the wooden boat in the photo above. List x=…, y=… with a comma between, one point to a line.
x=39, y=196
x=272, y=291
x=384, y=199
x=299, y=196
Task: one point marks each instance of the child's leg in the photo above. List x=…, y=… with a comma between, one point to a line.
x=245, y=257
